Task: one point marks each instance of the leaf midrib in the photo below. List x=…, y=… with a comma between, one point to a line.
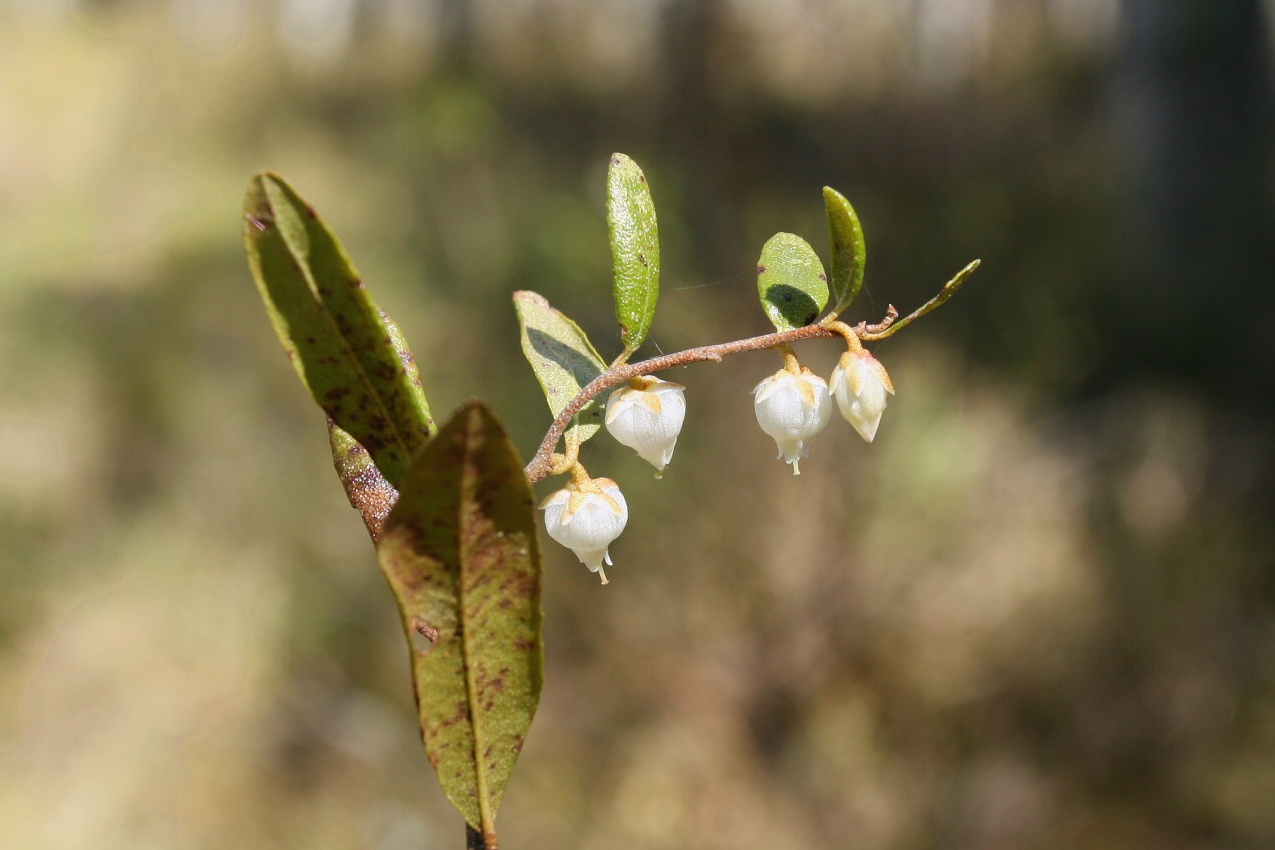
x=485, y=816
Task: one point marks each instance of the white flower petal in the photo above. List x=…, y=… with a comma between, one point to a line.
x=860, y=385
x=648, y=418
x=587, y=519
x=792, y=409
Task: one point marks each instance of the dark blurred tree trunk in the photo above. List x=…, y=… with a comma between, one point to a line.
x=691, y=122
x=1196, y=99
x=456, y=25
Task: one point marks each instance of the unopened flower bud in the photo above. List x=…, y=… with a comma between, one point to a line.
x=792, y=408
x=586, y=517
x=860, y=384
x=647, y=416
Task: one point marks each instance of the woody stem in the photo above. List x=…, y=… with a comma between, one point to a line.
x=541, y=464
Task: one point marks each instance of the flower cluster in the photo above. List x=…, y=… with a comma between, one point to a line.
x=589, y=513
x=794, y=404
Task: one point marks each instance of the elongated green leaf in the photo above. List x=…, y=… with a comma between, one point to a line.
x=460, y=552
x=849, y=251
x=949, y=289
x=347, y=352
x=635, y=250
x=561, y=356
x=790, y=281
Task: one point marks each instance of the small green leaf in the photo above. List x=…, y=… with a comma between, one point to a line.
x=635, y=250
x=562, y=357
x=460, y=552
x=849, y=251
x=347, y=352
x=791, y=282
x=949, y=289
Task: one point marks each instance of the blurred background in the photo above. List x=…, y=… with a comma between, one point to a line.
x=1039, y=612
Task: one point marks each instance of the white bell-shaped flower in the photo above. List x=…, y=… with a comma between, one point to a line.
x=792, y=407
x=860, y=383
x=647, y=416
x=586, y=517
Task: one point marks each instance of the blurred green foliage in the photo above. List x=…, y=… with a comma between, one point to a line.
x=1037, y=611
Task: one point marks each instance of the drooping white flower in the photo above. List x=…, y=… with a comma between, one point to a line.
x=860, y=384
x=647, y=416
x=586, y=517
x=792, y=408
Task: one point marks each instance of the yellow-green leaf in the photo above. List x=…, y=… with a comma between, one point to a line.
x=849, y=251
x=949, y=289
x=562, y=357
x=347, y=352
x=459, y=550
x=635, y=250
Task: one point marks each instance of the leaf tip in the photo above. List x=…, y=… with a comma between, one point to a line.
x=259, y=211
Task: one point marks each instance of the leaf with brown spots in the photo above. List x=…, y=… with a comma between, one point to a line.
x=791, y=282
x=563, y=359
x=849, y=251
x=459, y=549
x=635, y=250
x=347, y=352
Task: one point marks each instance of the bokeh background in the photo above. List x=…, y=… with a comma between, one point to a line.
x=1039, y=612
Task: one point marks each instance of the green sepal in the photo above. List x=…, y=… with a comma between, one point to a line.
x=791, y=282
x=635, y=251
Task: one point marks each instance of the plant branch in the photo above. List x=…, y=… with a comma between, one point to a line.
x=475, y=840
x=949, y=289
x=541, y=465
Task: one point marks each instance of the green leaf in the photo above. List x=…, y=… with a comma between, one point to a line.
x=849, y=251
x=562, y=357
x=635, y=250
x=790, y=282
x=949, y=289
x=460, y=552
x=348, y=353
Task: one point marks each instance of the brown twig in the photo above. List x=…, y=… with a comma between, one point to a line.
x=889, y=327
x=541, y=463
x=475, y=840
